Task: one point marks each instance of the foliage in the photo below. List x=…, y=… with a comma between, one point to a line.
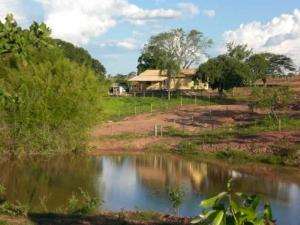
x=7, y=208
x=271, y=98
x=228, y=208
x=186, y=49
x=83, y=204
x=240, y=66
x=224, y=73
x=279, y=64
x=14, y=40
x=176, y=196
x=44, y=96
x=81, y=56
x=259, y=68
x=239, y=52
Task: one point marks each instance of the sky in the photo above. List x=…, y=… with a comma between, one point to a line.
x=115, y=31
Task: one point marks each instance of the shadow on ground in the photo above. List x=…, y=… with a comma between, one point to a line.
x=118, y=219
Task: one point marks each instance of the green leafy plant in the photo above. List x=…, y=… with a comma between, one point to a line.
x=176, y=196
x=228, y=208
x=7, y=208
x=82, y=204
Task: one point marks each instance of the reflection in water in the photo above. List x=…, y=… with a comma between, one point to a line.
x=142, y=182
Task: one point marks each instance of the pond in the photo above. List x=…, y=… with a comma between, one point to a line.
x=141, y=182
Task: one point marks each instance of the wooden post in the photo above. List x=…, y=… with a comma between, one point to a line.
x=151, y=108
x=161, y=130
x=210, y=118
x=135, y=110
x=279, y=124
x=155, y=130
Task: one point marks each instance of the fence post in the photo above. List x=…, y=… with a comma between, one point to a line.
x=195, y=100
x=151, y=108
x=279, y=124
x=180, y=100
x=134, y=110
x=210, y=118
x=155, y=130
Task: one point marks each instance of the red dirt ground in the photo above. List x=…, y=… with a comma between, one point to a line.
x=189, y=118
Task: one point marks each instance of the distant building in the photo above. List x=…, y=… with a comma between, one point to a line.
x=158, y=80
x=117, y=89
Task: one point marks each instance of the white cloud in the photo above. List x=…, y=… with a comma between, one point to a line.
x=281, y=35
x=209, y=12
x=80, y=20
x=189, y=8
x=129, y=44
x=11, y=6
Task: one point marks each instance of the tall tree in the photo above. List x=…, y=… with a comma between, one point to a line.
x=238, y=51
x=259, y=66
x=185, y=48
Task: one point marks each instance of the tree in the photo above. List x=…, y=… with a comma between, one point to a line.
x=279, y=64
x=259, y=66
x=16, y=41
x=239, y=52
x=185, y=48
x=224, y=73
x=266, y=64
x=81, y=56
x=176, y=196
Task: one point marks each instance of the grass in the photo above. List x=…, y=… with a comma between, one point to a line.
x=116, y=108
x=122, y=136
x=284, y=152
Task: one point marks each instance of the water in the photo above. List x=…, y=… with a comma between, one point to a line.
x=142, y=181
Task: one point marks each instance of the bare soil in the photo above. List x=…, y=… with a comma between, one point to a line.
x=136, y=133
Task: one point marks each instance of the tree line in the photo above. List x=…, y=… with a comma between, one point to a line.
x=240, y=66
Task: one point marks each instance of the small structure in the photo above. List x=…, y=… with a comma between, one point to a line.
x=117, y=89
x=151, y=80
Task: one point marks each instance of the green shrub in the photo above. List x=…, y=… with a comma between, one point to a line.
x=49, y=105
x=271, y=98
x=47, y=102
x=83, y=204
x=176, y=196
x=7, y=208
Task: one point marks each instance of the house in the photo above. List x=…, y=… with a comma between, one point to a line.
x=117, y=89
x=150, y=80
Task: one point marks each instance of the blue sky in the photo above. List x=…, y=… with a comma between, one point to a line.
x=114, y=31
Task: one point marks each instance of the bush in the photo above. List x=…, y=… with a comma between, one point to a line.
x=7, y=208
x=83, y=204
x=271, y=98
x=48, y=102
x=176, y=196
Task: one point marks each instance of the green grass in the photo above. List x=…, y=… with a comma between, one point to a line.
x=2, y=222
x=116, y=108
